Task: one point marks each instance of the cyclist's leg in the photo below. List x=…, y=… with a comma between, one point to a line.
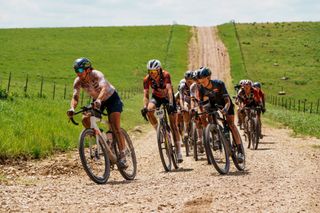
x=151, y=107
x=175, y=133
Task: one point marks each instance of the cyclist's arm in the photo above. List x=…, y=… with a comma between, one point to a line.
x=76, y=94
x=145, y=98
x=170, y=93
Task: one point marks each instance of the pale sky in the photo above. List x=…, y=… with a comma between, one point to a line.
x=75, y=13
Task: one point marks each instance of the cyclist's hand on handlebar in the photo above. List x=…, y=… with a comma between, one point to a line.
x=97, y=104
x=70, y=113
x=263, y=110
x=224, y=111
x=171, y=109
x=144, y=111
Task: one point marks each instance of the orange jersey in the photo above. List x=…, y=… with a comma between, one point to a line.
x=158, y=86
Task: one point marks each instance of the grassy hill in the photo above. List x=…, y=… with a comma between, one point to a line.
x=35, y=126
x=271, y=51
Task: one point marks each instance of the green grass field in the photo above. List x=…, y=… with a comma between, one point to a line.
x=37, y=127
x=272, y=51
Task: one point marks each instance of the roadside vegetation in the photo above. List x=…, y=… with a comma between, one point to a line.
x=33, y=126
x=283, y=57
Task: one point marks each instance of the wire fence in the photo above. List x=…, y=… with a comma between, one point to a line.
x=40, y=88
x=300, y=105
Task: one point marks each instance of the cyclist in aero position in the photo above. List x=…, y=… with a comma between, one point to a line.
x=104, y=96
x=162, y=93
x=249, y=97
x=217, y=93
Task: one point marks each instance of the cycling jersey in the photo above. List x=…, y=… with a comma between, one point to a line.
x=252, y=99
x=184, y=91
x=158, y=87
x=216, y=95
x=93, y=85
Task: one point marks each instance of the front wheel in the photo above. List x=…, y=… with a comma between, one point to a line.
x=240, y=165
x=216, y=148
x=94, y=157
x=130, y=172
x=165, y=149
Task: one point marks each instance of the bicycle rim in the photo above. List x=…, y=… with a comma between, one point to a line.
x=164, y=149
x=94, y=157
x=130, y=172
x=217, y=149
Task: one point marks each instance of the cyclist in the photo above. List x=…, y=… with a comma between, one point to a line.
x=162, y=93
x=104, y=96
x=184, y=94
x=249, y=97
x=239, y=88
x=217, y=93
x=257, y=85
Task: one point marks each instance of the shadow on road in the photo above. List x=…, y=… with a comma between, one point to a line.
x=180, y=170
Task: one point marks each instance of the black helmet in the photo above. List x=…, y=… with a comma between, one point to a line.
x=188, y=74
x=204, y=72
x=257, y=84
x=81, y=63
x=195, y=74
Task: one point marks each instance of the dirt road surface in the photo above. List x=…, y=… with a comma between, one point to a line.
x=283, y=175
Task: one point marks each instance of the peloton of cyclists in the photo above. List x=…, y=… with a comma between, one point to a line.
x=249, y=97
x=162, y=93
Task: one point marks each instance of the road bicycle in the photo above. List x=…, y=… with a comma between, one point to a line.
x=252, y=127
x=167, y=150
x=220, y=145
x=99, y=149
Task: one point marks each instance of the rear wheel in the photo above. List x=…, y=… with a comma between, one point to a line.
x=130, y=172
x=94, y=157
x=216, y=147
x=195, y=145
x=165, y=150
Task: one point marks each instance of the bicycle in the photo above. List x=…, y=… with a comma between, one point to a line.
x=167, y=151
x=99, y=150
x=219, y=145
x=252, y=127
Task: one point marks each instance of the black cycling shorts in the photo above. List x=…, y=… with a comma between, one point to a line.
x=158, y=101
x=112, y=104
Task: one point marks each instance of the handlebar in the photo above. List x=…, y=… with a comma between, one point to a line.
x=96, y=112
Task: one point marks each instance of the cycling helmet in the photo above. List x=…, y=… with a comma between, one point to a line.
x=257, y=84
x=81, y=63
x=153, y=64
x=241, y=82
x=195, y=74
x=204, y=72
x=188, y=75
x=248, y=82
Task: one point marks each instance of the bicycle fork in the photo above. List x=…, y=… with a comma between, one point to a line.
x=98, y=133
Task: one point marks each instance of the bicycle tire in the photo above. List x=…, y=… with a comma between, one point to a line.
x=211, y=132
x=195, y=145
x=234, y=153
x=186, y=144
x=130, y=172
x=106, y=171
x=254, y=133
x=257, y=133
x=163, y=147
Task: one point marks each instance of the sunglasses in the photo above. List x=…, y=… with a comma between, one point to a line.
x=153, y=71
x=79, y=70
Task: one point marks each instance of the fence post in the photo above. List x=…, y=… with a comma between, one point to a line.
x=304, y=105
x=290, y=104
x=294, y=104
x=311, y=108
x=41, y=87
x=318, y=106
x=54, y=90
x=298, y=105
x=26, y=86
x=286, y=106
x=9, y=82
x=65, y=91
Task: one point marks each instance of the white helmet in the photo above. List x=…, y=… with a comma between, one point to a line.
x=153, y=64
x=242, y=82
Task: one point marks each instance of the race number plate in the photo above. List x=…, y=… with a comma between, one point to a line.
x=159, y=113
